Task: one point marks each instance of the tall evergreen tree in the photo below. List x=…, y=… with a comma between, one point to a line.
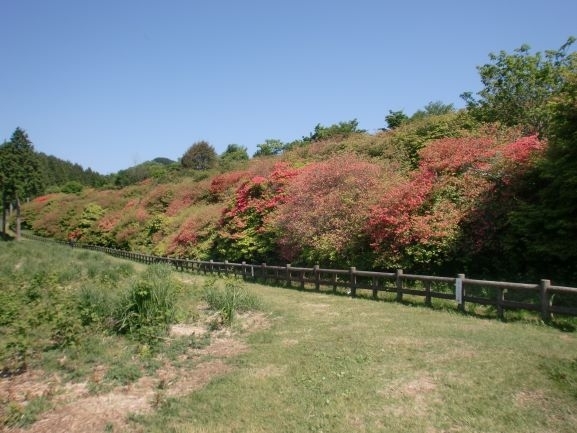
x=21, y=175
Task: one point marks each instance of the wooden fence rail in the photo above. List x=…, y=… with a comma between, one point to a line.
x=501, y=295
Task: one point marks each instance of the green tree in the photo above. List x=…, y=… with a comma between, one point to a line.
x=199, y=156
x=233, y=153
x=543, y=229
x=395, y=119
x=21, y=176
x=436, y=108
x=341, y=129
x=72, y=187
x=518, y=86
x=269, y=147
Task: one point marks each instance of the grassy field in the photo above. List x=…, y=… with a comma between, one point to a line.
x=299, y=362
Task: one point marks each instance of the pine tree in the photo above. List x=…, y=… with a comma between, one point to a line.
x=21, y=175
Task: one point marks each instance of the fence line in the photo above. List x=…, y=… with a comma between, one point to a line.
x=502, y=295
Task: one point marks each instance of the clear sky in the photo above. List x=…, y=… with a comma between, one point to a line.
x=112, y=83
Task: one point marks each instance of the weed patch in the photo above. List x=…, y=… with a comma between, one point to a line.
x=229, y=300
x=148, y=306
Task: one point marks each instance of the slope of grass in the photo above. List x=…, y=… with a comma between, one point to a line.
x=324, y=363
x=334, y=364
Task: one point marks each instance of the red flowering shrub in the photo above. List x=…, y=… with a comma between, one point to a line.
x=327, y=204
x=159, y=198
x=109, y=221
x=421, y=221
x=194, y=235
x=44, y=198
x=222, y=183
x=185, y=194
x=244, y=230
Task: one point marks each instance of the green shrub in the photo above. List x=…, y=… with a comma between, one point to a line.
x=22, y=415
x=148, y=306
x=95, y=305
x=229, y=300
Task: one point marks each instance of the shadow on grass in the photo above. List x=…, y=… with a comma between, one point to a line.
x=6, y=237
x=564, y=324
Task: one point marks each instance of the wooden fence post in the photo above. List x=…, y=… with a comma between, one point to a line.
x=428, y=293
x=353, y=281
x=545, y=310
x=375, y=287
x=317, y=277
x=399, y=284
x=212, y=267
x=288, y=275
x=500, y=299
x=460, y=292
x=263, y=271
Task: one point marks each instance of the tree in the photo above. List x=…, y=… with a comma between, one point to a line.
x=436, y=108
x=270, y=147
x=519, y=85
x=395, y=119
x=544, y=228
x=341, y=129
x=21, y=176
x=199, y=156
x=233, y=153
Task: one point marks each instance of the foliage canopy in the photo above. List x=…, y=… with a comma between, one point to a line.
x=518, y=86
x=199, y=156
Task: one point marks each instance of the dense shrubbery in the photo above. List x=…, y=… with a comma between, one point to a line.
x=343, y=204
x=53, y=299
x=442, y=191
x=326, y=206
x=421, y=223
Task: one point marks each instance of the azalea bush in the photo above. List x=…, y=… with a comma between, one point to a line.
x=245, y=231
x=327, y=204
x=192, y=237
x=440, y=212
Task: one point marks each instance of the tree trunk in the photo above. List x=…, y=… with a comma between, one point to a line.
x=18, y=233
x=4, y=215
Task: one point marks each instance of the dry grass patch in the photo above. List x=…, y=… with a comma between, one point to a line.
x=77, y=410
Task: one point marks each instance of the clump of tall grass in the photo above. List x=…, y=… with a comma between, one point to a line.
x=228, y=300
x=148, y=306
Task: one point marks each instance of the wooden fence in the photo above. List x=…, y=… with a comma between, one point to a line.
x=502, y=295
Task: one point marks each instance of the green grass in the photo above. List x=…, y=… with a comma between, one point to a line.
x=323, y=363
x=336, y=364
x=228, y=296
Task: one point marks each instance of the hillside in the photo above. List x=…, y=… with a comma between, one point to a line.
x=354, y=200
x=489, y=190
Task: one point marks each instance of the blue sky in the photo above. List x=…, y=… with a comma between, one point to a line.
x=110, y=84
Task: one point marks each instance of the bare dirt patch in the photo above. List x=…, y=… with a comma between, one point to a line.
x=187, y=330
x=76, y=410
x=421, y=391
